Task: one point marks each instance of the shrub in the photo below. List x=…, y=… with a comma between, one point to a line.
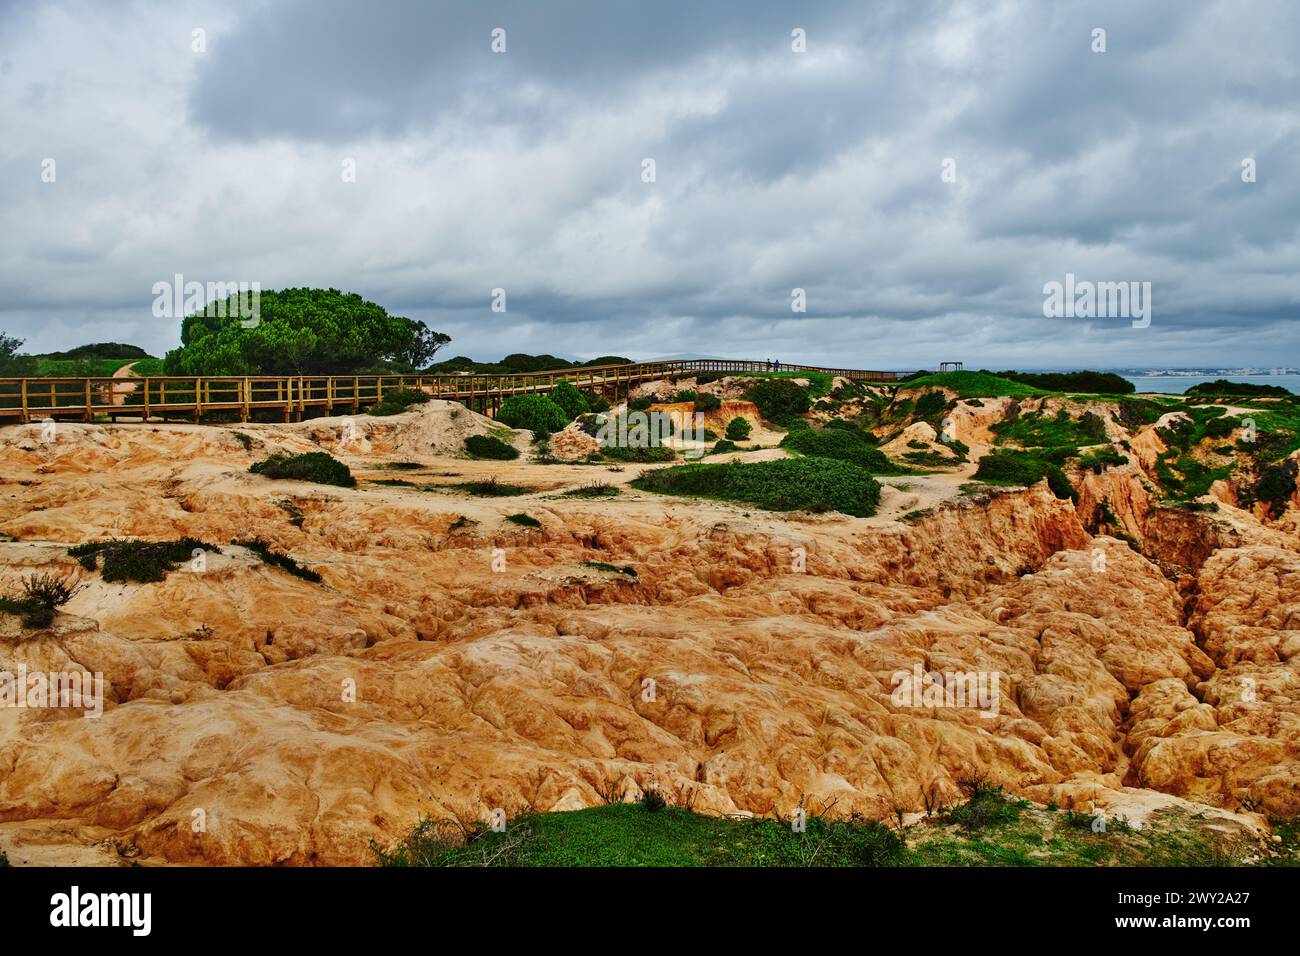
x=738, y=429
x=537, y=413
x=397, y=400
x=526, y=521
x=1021, y=468
x=723, y=447
x=488, y=446
x=596, y=402
x=491, y=488
x=41, y=595
x=930, y=404
x=1099, y=383
x=612, y=568
x=282, y=561
x=987, y=807
x=704, y=402
x=639, y=404
x=648, y=454
x=777, y=397
x=142, y=561
x=314, y=466
x=1276, y=485
x=597, y=489
x=786, y=485
x=839, y=444
x=567, y=396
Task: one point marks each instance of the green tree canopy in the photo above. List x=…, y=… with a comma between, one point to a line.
x=301, y=331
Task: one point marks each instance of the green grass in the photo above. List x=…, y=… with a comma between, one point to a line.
x=972, y=385
x=813, y=484
x=314, y=466
x=819, y=383
x=632, y=835
x=1059, y=431
x=989, y=830
x=524, y=521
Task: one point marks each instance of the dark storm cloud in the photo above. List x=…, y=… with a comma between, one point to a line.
x=775, y=170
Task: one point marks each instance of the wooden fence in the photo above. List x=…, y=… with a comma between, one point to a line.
x=28, y=399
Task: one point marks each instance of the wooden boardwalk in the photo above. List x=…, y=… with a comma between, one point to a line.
x=296, y=396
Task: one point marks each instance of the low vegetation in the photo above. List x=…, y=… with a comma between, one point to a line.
x=490, y=447
x=398, y=400
x=144, y=562
x=523, y=520
x=277, y=559
x=1023, y=468
x=39, y=596
x=778, y=398
x=738, y=429
x=812, y=484
x=839, y=444
x=490, y=488
x=314, y=466
x=536, y=413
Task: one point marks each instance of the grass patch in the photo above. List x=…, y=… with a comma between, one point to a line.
x=841, y=445
x=314, y=466
x=639, y=834
x=490, y=488
x=597, y=489
x=813, y=484
x=524, y=521
x=980, y=384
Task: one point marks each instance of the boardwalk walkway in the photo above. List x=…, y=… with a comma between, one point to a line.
x=36, y=399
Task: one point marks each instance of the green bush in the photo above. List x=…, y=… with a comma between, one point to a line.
x=738, y=429
x=838, y=444
x=930, y=404
x=567, y=396
x=397, y=400
x=596, y=402
x=523, y=520
x=41, y=595
x=1022, y=468
x=537, y=413
x=814, y=484
x=778, y=397
x=489, y=446
x=276, y=559
x=648, y=454
x=133, y=560
x=704, y=402
x=723, y=447
x=639, y=404
x=315, y=466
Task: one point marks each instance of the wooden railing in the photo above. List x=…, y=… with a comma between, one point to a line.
x=29, y=399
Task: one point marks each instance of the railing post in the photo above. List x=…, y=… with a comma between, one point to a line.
x=198, y=400
x=23, y=391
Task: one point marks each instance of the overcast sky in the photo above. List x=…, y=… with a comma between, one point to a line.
x=774, y=170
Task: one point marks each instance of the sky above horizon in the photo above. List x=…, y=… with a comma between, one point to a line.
x=921, y=171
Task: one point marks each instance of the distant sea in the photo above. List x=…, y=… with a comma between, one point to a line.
x=1177, y=384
